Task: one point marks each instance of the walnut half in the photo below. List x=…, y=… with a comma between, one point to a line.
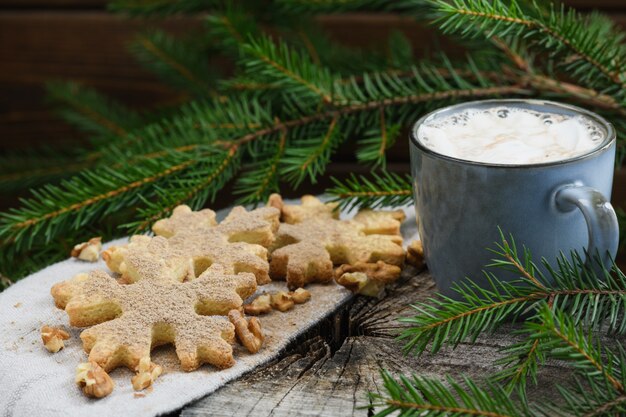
x=248, y=333
x=88, y=251
x=53, y=338
x=300, y=296
x=282, y=301
x=415, y=254
x=366, y=278
x=147, y=373
x=93, y=380
x=260, y=305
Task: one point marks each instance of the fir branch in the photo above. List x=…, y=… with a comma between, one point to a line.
x=90, y=111
x=383, y=189
x=200, y=185
x=23, y=169
x=427, y=396
x=443, y=320
x=288, y=67
x=261, y=179
x=54, y=210
x=308, y=157
x=587, y=96
x=588, y=395
x=373, y=147
x=568, y=341
x=232, y=26
x=590, y=55
x=521, y=364
x=182, y=63
x=557, y=336
x=88, y=197
x=573, y=287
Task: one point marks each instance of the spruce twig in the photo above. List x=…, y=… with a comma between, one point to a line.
x=290, y=87
x=560, y=330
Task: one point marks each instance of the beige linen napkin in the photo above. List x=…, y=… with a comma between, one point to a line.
x=34, y=382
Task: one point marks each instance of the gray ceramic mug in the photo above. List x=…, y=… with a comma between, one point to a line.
x=551, y=208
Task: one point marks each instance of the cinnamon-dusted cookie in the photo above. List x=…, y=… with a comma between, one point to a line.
x=183, y=218
x=189, y=242
x=312, y=240
x=129, y=320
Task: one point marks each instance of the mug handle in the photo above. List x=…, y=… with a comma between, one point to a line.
x=599, y=215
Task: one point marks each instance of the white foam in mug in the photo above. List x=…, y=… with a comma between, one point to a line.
x=510, y=136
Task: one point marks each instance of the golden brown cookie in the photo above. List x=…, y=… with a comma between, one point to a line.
x=188, y=243
x=129, y=320
x=312, y=241
x=183, y=218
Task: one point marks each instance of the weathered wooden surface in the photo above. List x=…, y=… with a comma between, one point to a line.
x=332, y=369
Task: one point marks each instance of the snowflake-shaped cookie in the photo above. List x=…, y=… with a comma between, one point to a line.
x=129, y=320
x=189, y=242
x=311, y=240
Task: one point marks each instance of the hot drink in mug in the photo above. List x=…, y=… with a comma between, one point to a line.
x=539, y=170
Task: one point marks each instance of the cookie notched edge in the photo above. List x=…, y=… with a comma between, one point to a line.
x=312, y=240
x=128, y=320
x=189, y=241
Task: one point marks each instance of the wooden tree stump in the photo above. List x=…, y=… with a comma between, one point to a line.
x=331, y=369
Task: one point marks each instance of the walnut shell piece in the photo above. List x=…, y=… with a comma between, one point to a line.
x=93, y=380
x=147, y=373
x=415, y=254
x=367, y=278
x=88, y=251
x=282, y=301
x=356, y=282
x=260, y=305
x=53, y=338
x=300, y=296
x=249, y=333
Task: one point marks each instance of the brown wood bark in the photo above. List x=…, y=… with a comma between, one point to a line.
x=331, y=370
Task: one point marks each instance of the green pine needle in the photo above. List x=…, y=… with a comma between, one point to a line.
x=288, y=67
x=183, y=63
x=92, y=112
x=307, y=158
x=573, y=287
x=83, y=200
x=384, y=189
x=22, y=169
x=419, y=395
x=554, y=328
x=589, y=49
